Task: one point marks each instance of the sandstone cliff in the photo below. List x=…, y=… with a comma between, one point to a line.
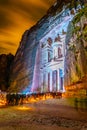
x=23, y=67
x=5, y=64
x=76, y=55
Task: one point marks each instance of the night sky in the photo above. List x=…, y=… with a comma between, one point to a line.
x=15, y=17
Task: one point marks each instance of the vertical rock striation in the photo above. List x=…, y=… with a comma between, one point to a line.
x=26, y=61
x=5, y=64
x=76, y=56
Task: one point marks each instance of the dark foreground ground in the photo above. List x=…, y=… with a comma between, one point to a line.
x=50, y=114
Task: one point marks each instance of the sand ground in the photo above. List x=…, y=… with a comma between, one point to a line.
x=50, y=114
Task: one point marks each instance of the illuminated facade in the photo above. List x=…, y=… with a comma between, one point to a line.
x=39, y=61
x=52, y=64
x=50, y=56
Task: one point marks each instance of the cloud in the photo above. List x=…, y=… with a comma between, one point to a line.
x=15, y=17
x=3, y=50
x=7, y=46
x=8, y=43
x=4, y=20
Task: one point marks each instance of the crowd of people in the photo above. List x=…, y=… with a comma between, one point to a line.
x=14, y=99
x=18, y=98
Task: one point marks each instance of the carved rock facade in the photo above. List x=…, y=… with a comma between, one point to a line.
x=39, y=62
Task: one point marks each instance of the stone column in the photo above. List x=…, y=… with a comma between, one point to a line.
x=63, y=85
x=58, y=80
x=46, y=89
x=44, y=81
x=51, y=88
x=41, y=82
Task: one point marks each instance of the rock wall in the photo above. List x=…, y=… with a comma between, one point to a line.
x=5, y=64
x=76, y=56
x=23, y=67
x=22, y=71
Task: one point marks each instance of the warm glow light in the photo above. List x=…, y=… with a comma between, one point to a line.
x=24, y=108
x=16, y=17
x=39, y=98
x=2, y=102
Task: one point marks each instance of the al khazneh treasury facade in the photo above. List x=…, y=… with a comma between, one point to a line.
x=40, y=59
x=50, y=57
